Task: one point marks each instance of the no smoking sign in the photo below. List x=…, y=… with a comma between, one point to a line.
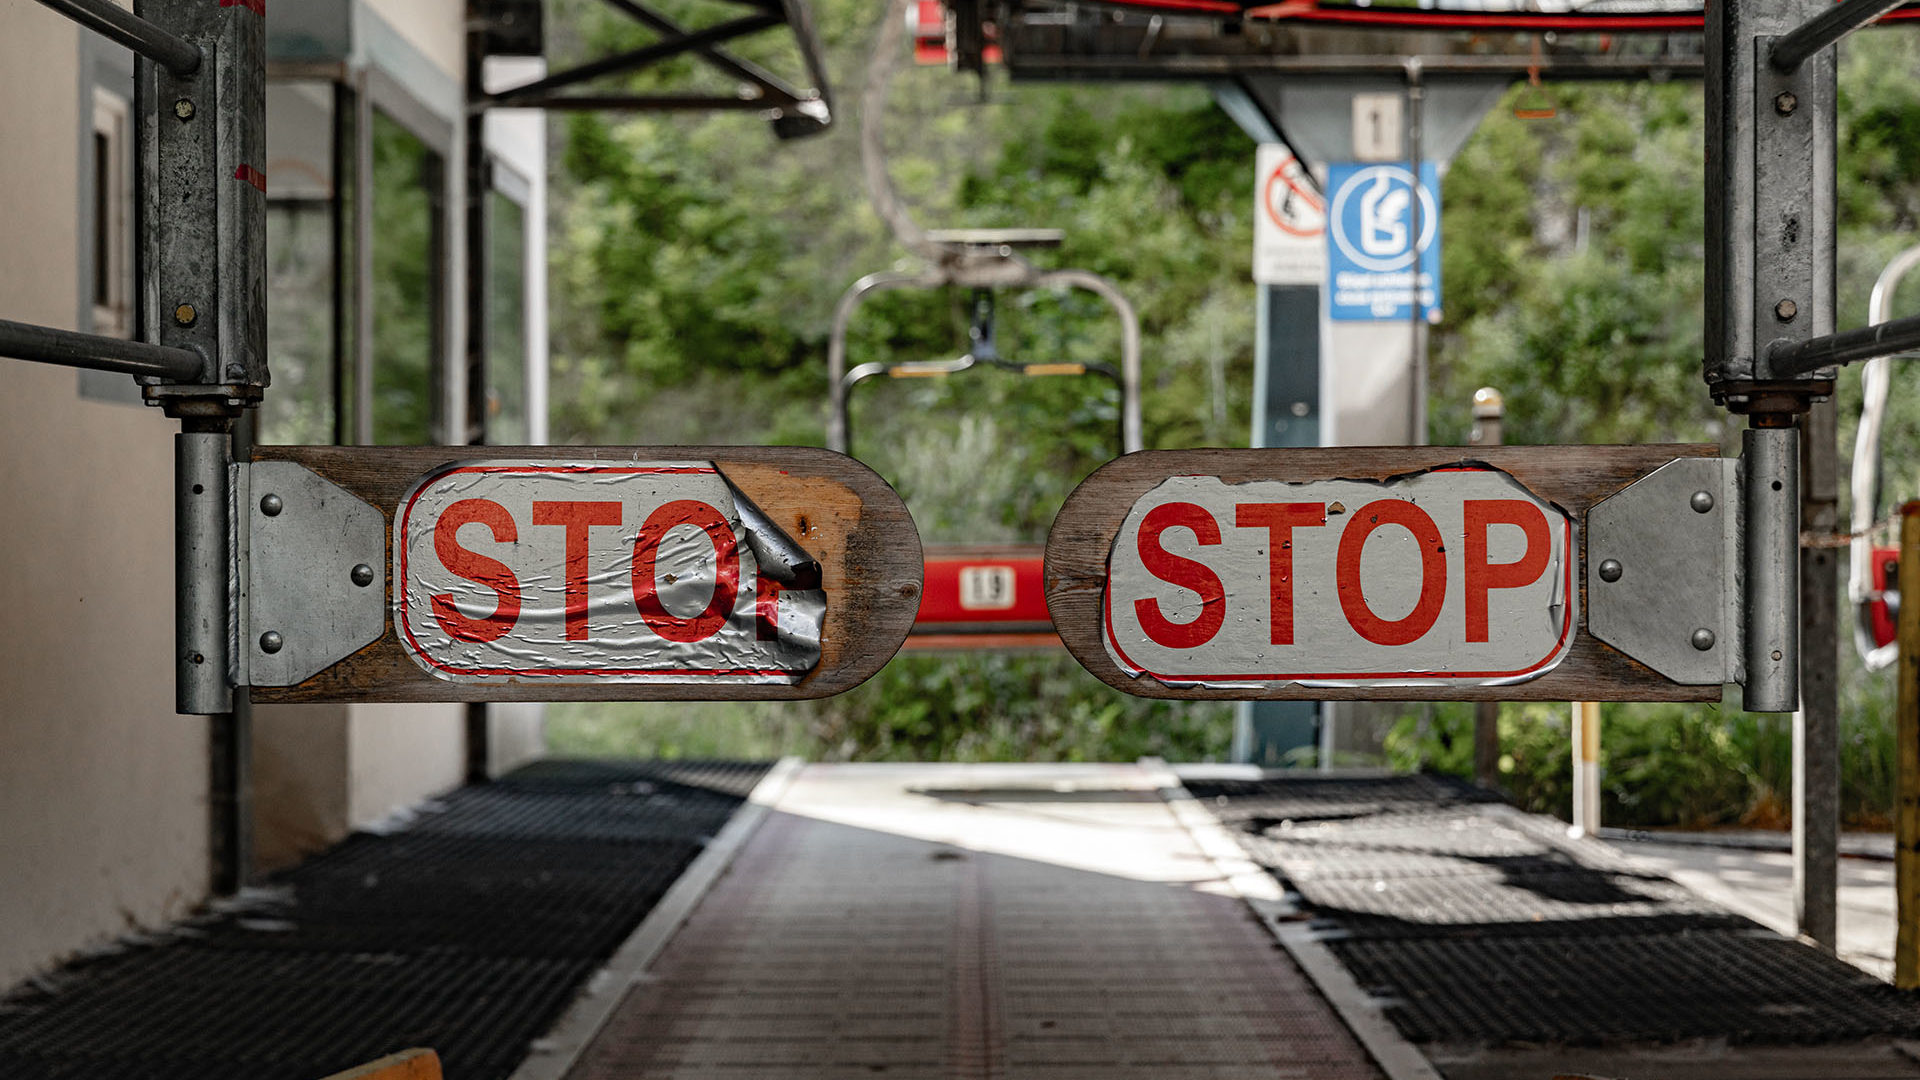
x=1290, y=219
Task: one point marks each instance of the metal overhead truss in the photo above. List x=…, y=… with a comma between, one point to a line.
x=514, y=28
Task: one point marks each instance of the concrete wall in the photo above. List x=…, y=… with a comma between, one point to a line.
x=103, y=819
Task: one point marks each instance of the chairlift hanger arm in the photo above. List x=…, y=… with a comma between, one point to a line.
x=768, y=82
x=1824, y=30
x=1884, y=339
x=69, y=348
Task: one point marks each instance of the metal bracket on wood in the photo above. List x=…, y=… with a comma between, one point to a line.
x=312, y=564
x=1662, y=577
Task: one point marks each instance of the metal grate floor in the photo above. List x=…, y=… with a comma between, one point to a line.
x=1474, y=923
x=469, y=932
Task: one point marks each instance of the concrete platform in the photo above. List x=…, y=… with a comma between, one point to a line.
x=961, y=921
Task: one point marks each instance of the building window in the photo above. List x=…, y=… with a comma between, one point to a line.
x=409, y=246
x=506, y=319
x=112, y=254
x=303, y=351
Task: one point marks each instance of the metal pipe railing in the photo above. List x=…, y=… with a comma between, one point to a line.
x=1823, y=30
x=1802, y=357
x=117, y=24
x=70, y=348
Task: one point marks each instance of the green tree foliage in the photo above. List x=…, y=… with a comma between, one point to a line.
x=696, y=264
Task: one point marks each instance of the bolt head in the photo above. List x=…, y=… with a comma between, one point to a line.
x=1785, y=310
x=1610, y=570
x=1703, y=639
x=1784, y=103
x=1701, y=502
x=272, y=642
x=362, y=575
x=271, y=505
x=183, y=109
x=185, y=315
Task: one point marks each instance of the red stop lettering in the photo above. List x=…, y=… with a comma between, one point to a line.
x=1181, y=571
x=477, y=568
x=1481, y=576
x=1279, y=519
x=576, y=518
x=726, y=576
x=1433, y=572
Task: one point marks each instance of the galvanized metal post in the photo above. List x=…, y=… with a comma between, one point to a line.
x=202, y=564
x=1770, y=267
x=202, y=226
x=1906, y=840
x=1770, y=468
x=1489, y=415
x=1816, y=727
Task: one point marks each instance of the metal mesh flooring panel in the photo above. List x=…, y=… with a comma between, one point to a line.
x=1480, y=924
x=468, y=932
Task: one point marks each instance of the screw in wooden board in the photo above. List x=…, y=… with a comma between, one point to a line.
x=185, y=314
x=271, y=505
x=272, y=642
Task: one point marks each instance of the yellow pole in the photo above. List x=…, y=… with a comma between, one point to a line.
x=1906, y=860
x=1586, y=768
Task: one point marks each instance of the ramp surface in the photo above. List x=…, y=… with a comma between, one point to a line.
x=952, y=922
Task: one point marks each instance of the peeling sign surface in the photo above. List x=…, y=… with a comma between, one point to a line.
x=1454, y=576
x=600, y=572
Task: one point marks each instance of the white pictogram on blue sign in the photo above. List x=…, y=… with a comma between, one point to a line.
x=1371, y=242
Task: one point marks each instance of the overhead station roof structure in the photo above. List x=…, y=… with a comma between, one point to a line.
x=1173, y=39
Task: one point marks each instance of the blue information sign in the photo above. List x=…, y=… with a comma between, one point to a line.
x=1373, y=233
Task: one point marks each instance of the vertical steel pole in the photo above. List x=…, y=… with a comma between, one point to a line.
x=1489, y=414
x=1770, y=468
x=202, y=563
x=1906, y=840
x=1816, y=727
x=1417, y=343
x=479, y=181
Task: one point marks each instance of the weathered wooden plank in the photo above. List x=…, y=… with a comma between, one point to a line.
x=1572, y=477
x=844, y=514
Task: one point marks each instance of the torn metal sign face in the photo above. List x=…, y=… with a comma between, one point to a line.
x=593, y=571
x=1383, y=573
x=1452, y=576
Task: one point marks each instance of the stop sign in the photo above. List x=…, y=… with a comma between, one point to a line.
x=1383, y=573
x=1450, y=576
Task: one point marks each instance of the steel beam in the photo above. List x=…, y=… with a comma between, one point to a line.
x=118, y=25
x=1866, y=343
x=635, y=59
x=46, y=345
x=1825, y=30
